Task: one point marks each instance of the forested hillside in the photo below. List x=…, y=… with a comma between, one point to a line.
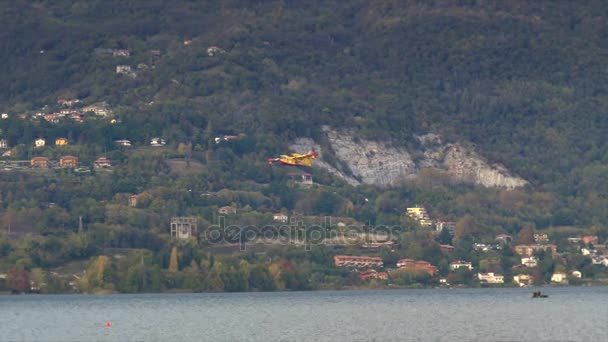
x=228, y=84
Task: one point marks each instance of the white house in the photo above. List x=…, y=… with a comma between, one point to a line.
x=491, y=278
x=559, y=277
x=523, y=279
x=123, y=142
x=39, y=142
x=529, y=261
x=280, y=217
x=460, y=264
x=214, y=50
x=157, y=142
x=577, y=274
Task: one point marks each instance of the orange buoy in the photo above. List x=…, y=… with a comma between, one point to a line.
x=108, y=324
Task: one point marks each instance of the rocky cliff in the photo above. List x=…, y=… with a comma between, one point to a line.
x=381, y=163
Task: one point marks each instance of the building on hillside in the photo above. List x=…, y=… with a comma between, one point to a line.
x=123, y=142
x=61, y=141
x=227, y=210
x=529, y=250
x=214, y=51
x=446, y=249
x=576, y=274
x=373, y=274
x=504, y=238
x=541, y=237
x=559, y=277
x=124, y=69
x=530, y=261
x=306, y=179
x=417, y=212
x=425, y=222
x=357, y=261
x=133, y=200
x=280, y=217
x=440, y=225
x=490, y=278
x=121, y=53
x=3, y=143
x=458, y=264
x=417, y=265
x=590, y=240
x=39, y=142
x=302, y=179
x=99, y=110
x=600, y=260
x=102, y=162
x=183, y=228
x=523, y=280
x=40, y=162
x=574, y=239
x=157, y=142
x=68, y=161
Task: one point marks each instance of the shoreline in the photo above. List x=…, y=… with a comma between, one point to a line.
x=346, y=288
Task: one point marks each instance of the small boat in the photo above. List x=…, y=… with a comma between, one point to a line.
x=538, y=294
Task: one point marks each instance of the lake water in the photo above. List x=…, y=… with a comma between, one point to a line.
x=569, y=314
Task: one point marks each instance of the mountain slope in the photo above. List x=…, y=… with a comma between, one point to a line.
x=524, y=82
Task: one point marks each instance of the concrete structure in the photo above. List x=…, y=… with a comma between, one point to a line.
x=183, y=228
x=306, y=179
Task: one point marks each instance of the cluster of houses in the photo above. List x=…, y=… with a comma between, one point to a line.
x=68, y=111
x=592, y=249
x=528, y=261
x=420, y=215
x=366, y=266
x=41, y=162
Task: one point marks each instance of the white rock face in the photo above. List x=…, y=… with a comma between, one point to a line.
x=467, y=165
x=372, y=162
x=304, y=145
x=379, y=163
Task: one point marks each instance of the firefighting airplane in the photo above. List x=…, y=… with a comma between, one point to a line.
x=295, y=159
